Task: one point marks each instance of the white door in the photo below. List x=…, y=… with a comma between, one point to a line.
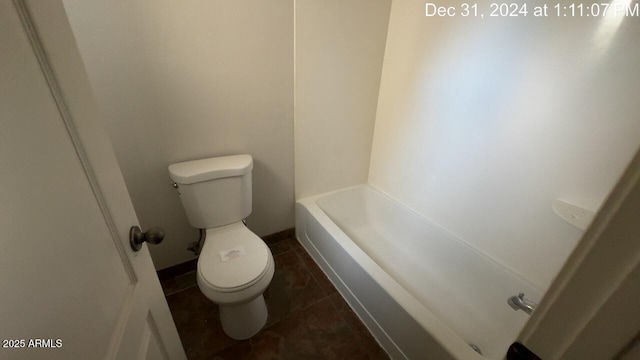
x=71, y=287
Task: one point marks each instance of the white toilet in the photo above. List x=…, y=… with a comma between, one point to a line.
x=235, y=265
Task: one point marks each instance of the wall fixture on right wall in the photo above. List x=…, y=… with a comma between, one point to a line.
x=483, y=123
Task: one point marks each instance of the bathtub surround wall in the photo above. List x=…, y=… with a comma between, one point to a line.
x=179, y=81
x=338, y=48
x=483, y=123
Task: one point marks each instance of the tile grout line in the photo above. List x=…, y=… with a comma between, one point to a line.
x=179, y=291
x=311, y=272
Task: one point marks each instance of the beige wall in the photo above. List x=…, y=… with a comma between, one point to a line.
x=186, y=80
x=483, y=123
x=339, y=49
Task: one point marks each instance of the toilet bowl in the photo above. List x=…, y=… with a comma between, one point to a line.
x=234, y=269
x=235, y=266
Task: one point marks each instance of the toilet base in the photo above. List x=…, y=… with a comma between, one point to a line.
x=243, y=321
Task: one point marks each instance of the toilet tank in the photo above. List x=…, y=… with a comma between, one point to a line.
x=214, y=191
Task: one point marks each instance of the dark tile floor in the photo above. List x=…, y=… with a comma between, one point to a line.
x=308, y=319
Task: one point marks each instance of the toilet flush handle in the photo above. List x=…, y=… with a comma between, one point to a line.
x=155, y=235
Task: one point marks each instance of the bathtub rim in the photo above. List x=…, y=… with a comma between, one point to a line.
x=509, y=270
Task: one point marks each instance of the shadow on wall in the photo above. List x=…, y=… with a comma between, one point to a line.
x=267, y=210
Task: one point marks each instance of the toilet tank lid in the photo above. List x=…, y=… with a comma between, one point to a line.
x=190, y=172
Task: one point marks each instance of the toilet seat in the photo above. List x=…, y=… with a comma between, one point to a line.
x=247, y=264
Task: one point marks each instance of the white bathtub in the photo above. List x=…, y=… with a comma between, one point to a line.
x=422, y=292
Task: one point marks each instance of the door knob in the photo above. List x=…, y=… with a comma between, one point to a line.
x=155, y=235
